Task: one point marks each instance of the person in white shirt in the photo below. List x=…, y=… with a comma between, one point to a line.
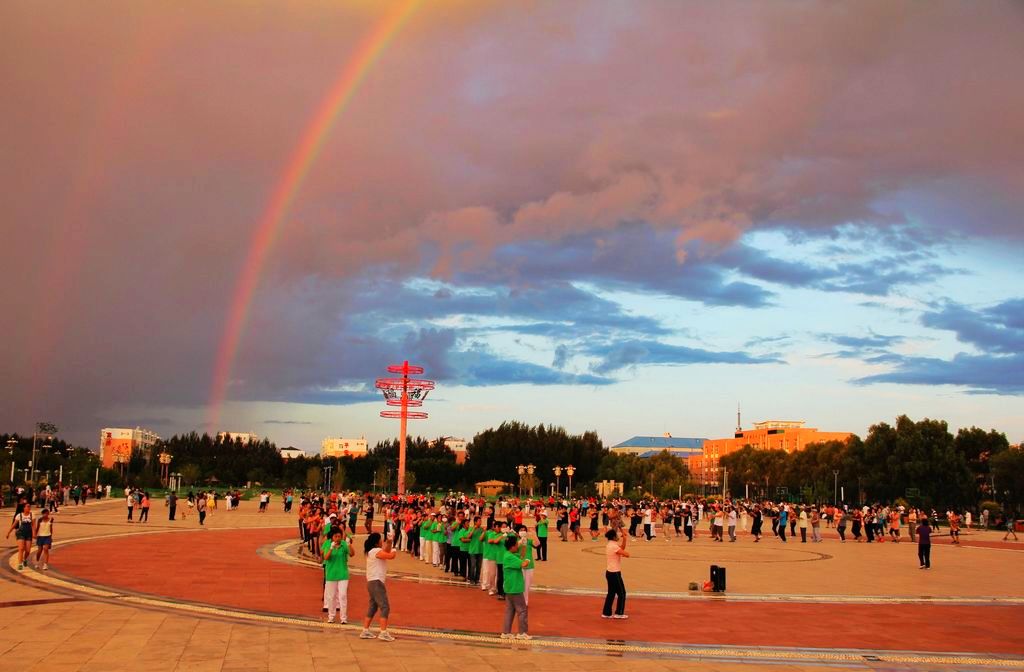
x=732, y=523
x=376, y=574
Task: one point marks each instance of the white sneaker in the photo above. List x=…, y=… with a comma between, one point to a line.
x=330, y=619
x=366, y=634
x=507, y=635
x=386, y=636
x=523, y=635
x=620, y=616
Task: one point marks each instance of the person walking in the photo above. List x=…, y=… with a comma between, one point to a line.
x=803, y=525
x=172, y=505
x=336, y=551
x=840, y=517
x=513, y=563
x=614, y=551
x=755, y=528
x=732, y=524
x=542, y=537
x=1009, y=528
x=201, y=508
x=377, y=555
x=783, y=516
x=924, y=544
x=22, y=528
x=129, y=499
x=144, y=508
x=815, y=526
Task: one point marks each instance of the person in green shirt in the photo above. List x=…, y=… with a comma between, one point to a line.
x=512, y=563
x=542, y=537
x=336, y=552
x=491, y=548
x=475, y=551
x=527, y=545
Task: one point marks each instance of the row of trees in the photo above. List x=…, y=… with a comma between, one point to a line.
x=919, y=461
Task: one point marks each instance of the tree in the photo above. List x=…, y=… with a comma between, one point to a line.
x=978, y=447
x=1008, y=474
x=314, y=477
x=190, y=473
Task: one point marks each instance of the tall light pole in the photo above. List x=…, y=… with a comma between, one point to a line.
x=529, y=470
x=558, y=481
x=835, y=487
x=570, y=470
x=165, y=464
x=35, y=437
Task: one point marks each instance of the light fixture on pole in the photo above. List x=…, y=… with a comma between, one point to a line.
x=558, y=480
x=165, y=464
x=570, y=470
x=521, y=470
x=835, y=486
x=35, y=437
x=529, y=470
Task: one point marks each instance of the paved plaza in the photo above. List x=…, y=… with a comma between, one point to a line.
x=238, y=595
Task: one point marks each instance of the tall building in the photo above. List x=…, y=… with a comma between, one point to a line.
x=245, y=437
x=340, y=447
x=124, y=441
x=787, y=435
x=649, y=446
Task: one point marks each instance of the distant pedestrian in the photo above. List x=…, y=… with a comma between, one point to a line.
x=924, y=544
x=22, y=528
x=172, y=505
x=201, y=508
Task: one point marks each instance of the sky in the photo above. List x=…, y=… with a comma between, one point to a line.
x=627, y=217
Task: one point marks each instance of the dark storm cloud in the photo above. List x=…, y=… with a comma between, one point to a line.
x=146, y=142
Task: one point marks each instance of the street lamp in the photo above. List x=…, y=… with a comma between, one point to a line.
x=165, y=464
x=121, y=459
x=35, y=436
x=570, y=470
x=529, y=470
x=12, y=443
x=523, y=470
x=558, y=481
x=835, y=487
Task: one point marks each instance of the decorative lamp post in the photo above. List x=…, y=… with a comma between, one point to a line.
x=835, y=486
x=521, y=470
x=12, y=443
x=529, y=470
x=122, y=460
x=406, y=393
x=570, y=470
x=165, y=465
x=558, y=481
x=35, y=437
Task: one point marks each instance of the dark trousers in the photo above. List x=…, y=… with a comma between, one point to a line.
x=174, y=507
x=474, y=567
x=202, y=517
x=803, y=535
x=144, y=514
x=616, y=589
x=689, y=532
x=924, y=554
x=462, y=565
x=782, y=532
x=542, y=548
x=842, y=532
x=130, y=513
x=501, y=580
x=869, y=529
x=449, y=556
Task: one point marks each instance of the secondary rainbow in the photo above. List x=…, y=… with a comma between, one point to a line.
x=299, y=163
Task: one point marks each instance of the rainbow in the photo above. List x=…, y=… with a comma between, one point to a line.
x=299, y=163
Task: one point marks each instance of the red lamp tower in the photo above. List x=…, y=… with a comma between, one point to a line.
x=406, y=393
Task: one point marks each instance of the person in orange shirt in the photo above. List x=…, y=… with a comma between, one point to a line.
x=894, y=525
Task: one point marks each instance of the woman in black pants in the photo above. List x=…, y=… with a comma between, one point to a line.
x=615, y=550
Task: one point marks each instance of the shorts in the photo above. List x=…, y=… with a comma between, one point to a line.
x=22, y=537
x=378, y=599
x=44, y=541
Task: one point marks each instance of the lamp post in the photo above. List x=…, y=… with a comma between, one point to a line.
x=835, y=487
x=521, y=470
x=529, y=470
x=570, y=470
x=558, y=481
x=121, y=459
x=165, y=464
x=35, y=437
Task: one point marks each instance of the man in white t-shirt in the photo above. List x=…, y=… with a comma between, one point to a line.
x=376, y=574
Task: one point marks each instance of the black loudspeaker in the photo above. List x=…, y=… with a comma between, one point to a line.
x=717, y=579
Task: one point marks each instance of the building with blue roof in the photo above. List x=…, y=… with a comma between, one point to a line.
x=649, y=446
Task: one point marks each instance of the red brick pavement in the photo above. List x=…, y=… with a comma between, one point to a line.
x=222, y=568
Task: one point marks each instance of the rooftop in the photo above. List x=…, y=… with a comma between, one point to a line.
x=661, y=442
